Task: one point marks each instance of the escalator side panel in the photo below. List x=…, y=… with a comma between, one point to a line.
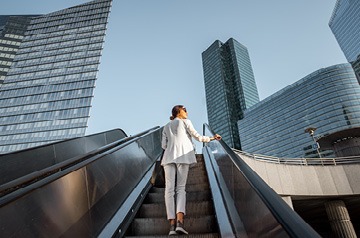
x=47, y=211
x=17, y=164
x=256, y=216
x=80, y=203
x=110, y=184
x=125, y=170
x=13, y=166
x=262, y=211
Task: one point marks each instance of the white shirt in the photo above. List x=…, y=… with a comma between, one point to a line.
x=177, y=142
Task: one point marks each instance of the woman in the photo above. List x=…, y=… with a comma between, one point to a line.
x=178, y=155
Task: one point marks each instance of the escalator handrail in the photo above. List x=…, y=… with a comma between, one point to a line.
x=35, y=176
x=54, y=143
x=52, y=177
x=294, y=225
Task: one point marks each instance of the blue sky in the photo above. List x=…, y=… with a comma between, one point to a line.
x=152, y=52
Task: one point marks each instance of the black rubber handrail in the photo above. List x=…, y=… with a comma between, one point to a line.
x=101, y=152
x=41, y=174
x=293, y=224
x=53, y=143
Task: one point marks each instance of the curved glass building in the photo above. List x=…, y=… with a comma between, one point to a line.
x=327, y=99
x=49, y=78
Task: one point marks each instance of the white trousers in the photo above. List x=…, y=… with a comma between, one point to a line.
x=175, y=173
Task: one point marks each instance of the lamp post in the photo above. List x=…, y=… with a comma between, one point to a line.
x=311, y=131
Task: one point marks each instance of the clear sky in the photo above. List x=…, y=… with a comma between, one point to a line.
x=152, y=53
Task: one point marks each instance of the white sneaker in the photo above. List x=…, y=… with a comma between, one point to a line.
x=172, y=230
x=180, y=228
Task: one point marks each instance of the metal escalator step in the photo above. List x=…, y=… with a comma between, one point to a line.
x=160, y=226
x=196, y=180
x=197, y=172
x=193, y=209
x=190, y=196
x=189, y=188
x=198, y=187
x=198, y=165
x=196, y=175
x=199, y=157
x=205, y=235
x=157, y=190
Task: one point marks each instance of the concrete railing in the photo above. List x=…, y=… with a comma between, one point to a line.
x=303, y=161
x=307, y=177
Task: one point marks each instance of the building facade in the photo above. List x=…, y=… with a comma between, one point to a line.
x=12, y=31
x=344, y=23
x=327, y=99
x=229, y=86
x=47, y=90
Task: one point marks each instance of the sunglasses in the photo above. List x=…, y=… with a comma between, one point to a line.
x=184, y=108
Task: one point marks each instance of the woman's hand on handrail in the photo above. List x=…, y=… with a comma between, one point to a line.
x=215, y=137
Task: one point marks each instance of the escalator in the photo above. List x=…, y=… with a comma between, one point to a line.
x=200, y=220
x=103, y=190
x=73, y=196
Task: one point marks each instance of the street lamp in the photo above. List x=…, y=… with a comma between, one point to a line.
x=311, y=131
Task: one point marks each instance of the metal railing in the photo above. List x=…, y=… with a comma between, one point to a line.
x=301, y=161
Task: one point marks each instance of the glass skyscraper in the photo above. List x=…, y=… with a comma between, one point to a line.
x=327, y=99
x=12, y=31
x=229, y=86
x=345, y=23
x=48, y=68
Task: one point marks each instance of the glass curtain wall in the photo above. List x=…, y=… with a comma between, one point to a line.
x=46, y=95
x=344, y=23
x=229, y=86
x=327, y=99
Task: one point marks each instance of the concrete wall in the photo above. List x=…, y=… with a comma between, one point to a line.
x=300, y=180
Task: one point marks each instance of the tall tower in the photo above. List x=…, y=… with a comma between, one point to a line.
x=47, y=90
x=229, y=86
x=344, y=23
x=12, y=31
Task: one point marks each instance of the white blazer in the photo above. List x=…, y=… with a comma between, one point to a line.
x=177, y=142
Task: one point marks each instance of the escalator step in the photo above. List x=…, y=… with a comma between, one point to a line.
x=197, y=172
x=160, y=226
x=189, y=188
x=194, y=209
x=205, y=235
x=190, y=196
x=199, y=165
x=198, y=187
x=200, y=220
x=197, y=179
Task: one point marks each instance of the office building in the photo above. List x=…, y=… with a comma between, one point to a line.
x=344, y=23
x=47, y=90
x=12, y=31
x=229, y=86
x=327, y=99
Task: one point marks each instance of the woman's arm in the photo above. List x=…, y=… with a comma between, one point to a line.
x=191, y=130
